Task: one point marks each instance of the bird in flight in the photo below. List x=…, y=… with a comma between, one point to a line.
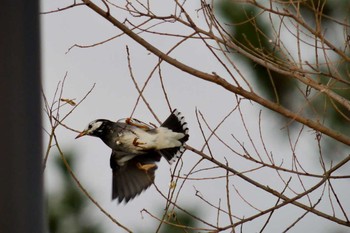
x=136, y=147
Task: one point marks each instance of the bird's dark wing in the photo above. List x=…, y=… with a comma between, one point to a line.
x=133, y=176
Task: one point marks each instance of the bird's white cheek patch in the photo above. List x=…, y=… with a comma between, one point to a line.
x=94, y=126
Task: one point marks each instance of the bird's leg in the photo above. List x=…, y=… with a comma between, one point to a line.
x=145, y=167
x=129, y=121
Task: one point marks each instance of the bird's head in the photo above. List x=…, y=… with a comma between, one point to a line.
x=94, y=128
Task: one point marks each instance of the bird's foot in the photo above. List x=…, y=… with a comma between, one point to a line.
x=135, y=142
x=145, y=167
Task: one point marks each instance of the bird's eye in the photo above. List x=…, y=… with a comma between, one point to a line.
x=90, y=126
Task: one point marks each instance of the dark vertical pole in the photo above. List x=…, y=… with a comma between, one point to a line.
x=21, y=194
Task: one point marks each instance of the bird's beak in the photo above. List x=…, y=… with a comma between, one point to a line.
x=81, y=134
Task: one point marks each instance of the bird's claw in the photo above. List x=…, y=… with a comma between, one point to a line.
x=135, y=142
x=145, y=167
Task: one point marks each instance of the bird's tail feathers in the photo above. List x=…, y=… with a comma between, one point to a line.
x=177, y=123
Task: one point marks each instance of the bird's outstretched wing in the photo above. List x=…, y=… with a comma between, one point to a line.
x=133, y=176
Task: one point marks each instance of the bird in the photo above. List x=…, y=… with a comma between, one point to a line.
x=136, y=148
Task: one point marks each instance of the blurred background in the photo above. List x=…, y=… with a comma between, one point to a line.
x=76, y=59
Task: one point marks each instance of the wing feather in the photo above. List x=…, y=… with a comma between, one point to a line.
x=129, y=180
